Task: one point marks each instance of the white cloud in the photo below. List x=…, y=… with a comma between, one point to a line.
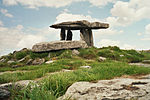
x=1, y=23
x=53, y=3
x=108, y=42
x=5, y=12
x=125, y=13
x=73, y=17
x=139, y=34
x=100, y=3
x=15, y=38
x=147, y=29
x=146, y=33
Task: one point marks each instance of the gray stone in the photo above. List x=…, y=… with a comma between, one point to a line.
x=38, y=61
x=75, y=52
x=69, y=35
x=140, y=64
x=87, y=36
x=88, y=67
x=83, y=24
x=146, y=61
x=15, y=66
x=21, y=60
x=2, y=60
x=29, y=62
x=62, y=34
x=48, y=62
x=4, y=94
x=58, y=45
x=5, y=88
x=115, y=89
x=10, y=61
x=101, y=59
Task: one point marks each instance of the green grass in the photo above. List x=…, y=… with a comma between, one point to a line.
x=40, y=70
x=57, y=84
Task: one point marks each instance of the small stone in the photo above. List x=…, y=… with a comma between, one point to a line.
x=49, y=55
x=29, y=62
x=88, y=67
x=102, y=59
x=15, y=66
x=21, y=60
x=38, y=61
x=146, y=61
x=48, y=62
x=75, y=52
x=2, y=60
x=4, y=94
x=10, y=61
x=121, y=55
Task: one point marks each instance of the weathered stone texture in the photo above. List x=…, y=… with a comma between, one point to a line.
x=58, y=45
x=83, y=24
x=115, y=89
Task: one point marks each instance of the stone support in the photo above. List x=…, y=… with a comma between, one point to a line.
x=87, y=36
x=62, y=34
x=69, y=35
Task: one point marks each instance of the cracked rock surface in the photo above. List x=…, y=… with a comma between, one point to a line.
x=115, y=89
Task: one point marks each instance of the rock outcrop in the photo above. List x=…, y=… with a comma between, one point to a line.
x=58, y=45
x=115, y=89
x=5, y=88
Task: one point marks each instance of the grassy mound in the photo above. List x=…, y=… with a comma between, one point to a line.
x=51, y=86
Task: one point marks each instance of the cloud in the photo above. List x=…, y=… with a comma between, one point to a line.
x=146, y=33
x=108, y=42
x=5, y=12
x=74, y=17
x=125, y=13
x=101, y=3
x=14, y=38
x=1, y=23
x=34, y=4
x=64, y=16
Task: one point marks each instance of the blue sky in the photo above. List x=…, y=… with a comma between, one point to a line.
x=26, y=22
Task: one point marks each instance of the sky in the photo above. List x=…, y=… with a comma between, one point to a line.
x=26, y=22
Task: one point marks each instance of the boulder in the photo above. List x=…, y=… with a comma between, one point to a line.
x=75, y=52
x=101, y=59
x=58, y=45
x=29, y=62
x=2, y=60
x=88, y=67
x=5, y=88
x=38, y=61
x=115, y=89
x=50, y=61
x=146, y=61
x=10, y=61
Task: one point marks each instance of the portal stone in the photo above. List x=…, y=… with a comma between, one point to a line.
x=62, y=34
x=87, y=36
x=69, y=35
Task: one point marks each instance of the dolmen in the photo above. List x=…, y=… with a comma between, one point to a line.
x=86, y=36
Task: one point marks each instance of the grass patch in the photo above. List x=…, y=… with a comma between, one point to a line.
x=57, y=84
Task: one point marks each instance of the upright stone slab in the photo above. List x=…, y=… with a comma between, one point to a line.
x=69, y=35
x=62, y=34
x=87, y=36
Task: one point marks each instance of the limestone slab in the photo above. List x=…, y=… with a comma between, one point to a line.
x=58, y=45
